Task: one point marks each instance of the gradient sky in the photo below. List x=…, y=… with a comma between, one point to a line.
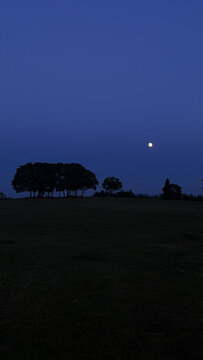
x=93, y=81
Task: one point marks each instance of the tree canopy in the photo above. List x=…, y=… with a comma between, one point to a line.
x=112, y=184
x=45, y=178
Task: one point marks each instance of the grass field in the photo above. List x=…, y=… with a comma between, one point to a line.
x=101, y=279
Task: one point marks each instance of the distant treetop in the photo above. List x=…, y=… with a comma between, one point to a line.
x=112, y=184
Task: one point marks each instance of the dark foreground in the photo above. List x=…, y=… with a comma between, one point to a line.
x=101, y=279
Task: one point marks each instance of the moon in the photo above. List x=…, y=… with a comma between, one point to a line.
x=150, y=144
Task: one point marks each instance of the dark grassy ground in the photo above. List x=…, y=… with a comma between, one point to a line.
x=101, y=279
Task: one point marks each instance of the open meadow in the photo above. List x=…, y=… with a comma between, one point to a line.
x=101, y=279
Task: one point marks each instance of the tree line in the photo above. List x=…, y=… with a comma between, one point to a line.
x=73, y=179
x=44, y=178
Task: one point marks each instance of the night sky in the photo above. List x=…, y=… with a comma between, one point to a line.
x=94, y=81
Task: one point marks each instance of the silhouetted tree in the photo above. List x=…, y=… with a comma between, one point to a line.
x=112, y=184
x=45, y=178
x=171, y=191
x=166, y=190
x=24, y=179
x=89, y=181
x=2, y=196
x=74, y=178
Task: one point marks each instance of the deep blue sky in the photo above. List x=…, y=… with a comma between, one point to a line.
x=93, y=81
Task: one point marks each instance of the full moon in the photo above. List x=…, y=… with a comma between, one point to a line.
x=150, y=144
